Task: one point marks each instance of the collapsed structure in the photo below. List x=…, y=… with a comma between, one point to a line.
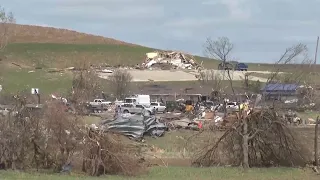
x=172, y=58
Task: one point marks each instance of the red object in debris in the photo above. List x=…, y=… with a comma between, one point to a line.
x=200, y=125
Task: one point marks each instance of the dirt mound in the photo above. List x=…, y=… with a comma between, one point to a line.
x=38, y=34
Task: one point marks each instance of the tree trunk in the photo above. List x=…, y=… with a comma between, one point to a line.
x=224, y=109
x=245, y=145
x=316, y=157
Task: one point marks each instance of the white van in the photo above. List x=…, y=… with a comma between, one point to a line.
x=138, y=100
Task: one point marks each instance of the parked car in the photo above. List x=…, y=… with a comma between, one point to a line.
x=241, y=67
x=159, y=107
x=226, y=66
x=232, y=105
x=135, y=108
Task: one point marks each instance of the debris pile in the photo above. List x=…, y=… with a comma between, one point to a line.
x=172, y=58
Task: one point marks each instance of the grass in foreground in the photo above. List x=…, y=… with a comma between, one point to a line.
x=15, y=80
x=186, y=173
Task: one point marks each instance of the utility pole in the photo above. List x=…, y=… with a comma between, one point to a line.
x=316, y=54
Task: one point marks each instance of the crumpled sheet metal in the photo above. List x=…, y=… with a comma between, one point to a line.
x=137, y=126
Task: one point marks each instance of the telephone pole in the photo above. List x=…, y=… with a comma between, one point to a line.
x=315, y=56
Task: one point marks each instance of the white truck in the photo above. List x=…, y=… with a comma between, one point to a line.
x=138, y=100
x=99, y=105
x=98, y=102
x=159, y=107
x=132, y=108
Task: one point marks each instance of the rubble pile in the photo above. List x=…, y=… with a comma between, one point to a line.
x=172, y=58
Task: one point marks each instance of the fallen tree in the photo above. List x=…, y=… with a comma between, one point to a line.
x=261, y=139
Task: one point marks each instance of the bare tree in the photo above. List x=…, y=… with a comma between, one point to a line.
x=296, y=59
x=210, y=78
x=51, y=138
x=119, y=83
x=219, y=49
x=85, y=86
x=6, y=18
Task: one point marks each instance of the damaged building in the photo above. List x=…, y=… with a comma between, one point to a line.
x=170, y=60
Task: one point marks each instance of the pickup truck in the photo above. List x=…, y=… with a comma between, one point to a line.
x=241, y=67
x=159, y=107
x=134, y=108
x=99, y=105
x=97, y=102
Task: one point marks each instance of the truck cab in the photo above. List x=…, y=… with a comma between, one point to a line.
x=241, y=67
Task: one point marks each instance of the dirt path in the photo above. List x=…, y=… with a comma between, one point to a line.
x=179, y=75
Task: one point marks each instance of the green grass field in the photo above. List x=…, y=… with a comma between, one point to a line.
x=50, y=55
x=186, y=173
x=15, y=80
x=65, y=55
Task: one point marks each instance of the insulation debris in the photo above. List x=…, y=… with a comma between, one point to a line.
x=175, y=59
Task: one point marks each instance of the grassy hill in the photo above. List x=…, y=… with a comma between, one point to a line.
x=52, y=47
x=46, y=47
x=39, y=34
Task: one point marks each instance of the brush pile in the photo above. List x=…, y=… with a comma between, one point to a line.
x=270, y=143
x=50, y=138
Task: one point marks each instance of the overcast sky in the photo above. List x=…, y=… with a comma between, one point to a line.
x=260, y=29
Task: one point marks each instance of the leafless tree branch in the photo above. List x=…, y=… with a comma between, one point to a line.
x=120, y=82
x=6, y=18
x=219, y=49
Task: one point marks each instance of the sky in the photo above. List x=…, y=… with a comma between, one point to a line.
x=260, y=30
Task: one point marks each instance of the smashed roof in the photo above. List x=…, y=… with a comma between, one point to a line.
x=173, y=58
x=280, y=87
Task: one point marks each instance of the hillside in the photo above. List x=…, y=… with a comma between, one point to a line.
x=53, y=47
x=45, y=47
x=38, y=34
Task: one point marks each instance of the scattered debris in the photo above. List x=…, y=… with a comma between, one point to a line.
x=16, y=64
x=106, y=71
x=183, y=124
x=54, y=70
x=70, y=68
